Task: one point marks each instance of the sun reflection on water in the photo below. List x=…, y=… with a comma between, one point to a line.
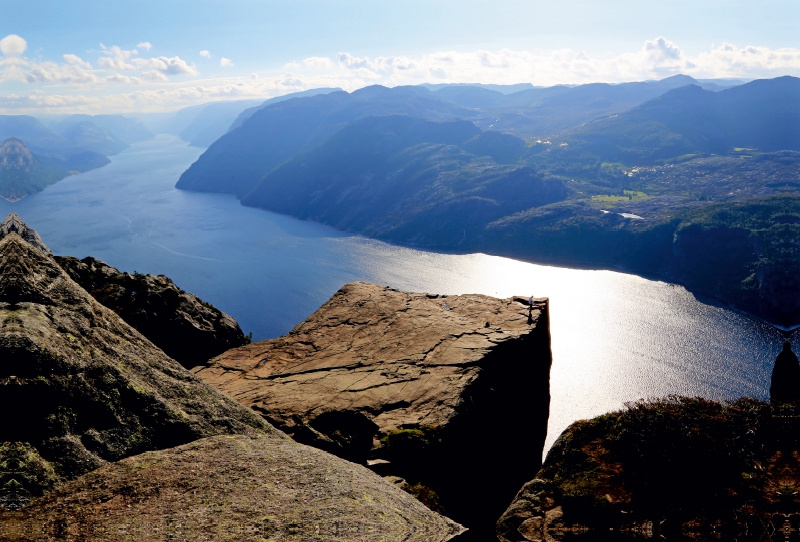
x=615, y=337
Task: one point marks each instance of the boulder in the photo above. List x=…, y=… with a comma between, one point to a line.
x=186, y=328
x=451, y=393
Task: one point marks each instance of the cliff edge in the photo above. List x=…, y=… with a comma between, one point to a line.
x=450, y=393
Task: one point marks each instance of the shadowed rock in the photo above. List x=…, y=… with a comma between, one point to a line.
x=186, y=328
x=785, y=385
x=450, y=393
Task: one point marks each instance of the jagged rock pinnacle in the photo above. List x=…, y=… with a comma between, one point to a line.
x=14, y=224
x=785, y=386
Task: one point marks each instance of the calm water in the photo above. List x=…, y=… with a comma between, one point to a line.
x=615, y=337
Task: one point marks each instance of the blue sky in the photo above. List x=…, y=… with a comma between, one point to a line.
x=125, y=56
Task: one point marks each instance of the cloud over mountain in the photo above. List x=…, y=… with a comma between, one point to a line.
x=123, y=79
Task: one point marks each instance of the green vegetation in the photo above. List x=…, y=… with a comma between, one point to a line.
x=627, y=195
x=426, y=496
x=689, y=465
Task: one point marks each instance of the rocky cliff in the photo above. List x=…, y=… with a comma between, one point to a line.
x=108, y=438
x=450, y=393
x=84, y=387
x=185, y=327
x=675, y=468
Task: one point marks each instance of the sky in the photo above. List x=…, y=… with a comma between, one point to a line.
x=59, y=57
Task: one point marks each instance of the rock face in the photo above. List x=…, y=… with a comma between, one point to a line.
x=676, y=468
x=450, y=393
x=84, y=387
x=186, y=328
x=107, y=438
x=229, y=488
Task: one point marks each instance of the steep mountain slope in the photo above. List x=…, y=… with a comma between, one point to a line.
x=90, y=136
x=238, y=161
x=404, y=179
x=211, y=121
x=543, y=113
x=763, y=115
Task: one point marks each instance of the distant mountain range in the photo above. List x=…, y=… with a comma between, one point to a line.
x=763, y=115
x=663, y=178
x=255, y=144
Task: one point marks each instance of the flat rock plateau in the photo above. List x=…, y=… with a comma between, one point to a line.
x=447, y=396
x=108, y=438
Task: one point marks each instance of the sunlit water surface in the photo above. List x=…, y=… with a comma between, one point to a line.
x=615, y=337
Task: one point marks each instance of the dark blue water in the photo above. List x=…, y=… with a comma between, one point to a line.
x=616, y=337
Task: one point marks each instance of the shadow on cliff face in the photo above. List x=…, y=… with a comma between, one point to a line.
x=479, y=460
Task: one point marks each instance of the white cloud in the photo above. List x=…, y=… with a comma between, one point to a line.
x=82, y=89
x=225, y=62
x=154, y=75
x=146, y=45
x=166, y=65
x=205, y=54
x=77, y=61
x=13, y=45
x=50, y=72
x=117, y=58
x=123, y=79
x=319, y=62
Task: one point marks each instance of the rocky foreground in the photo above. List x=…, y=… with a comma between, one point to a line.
x=228, y=488
x=449, y=393
x=676, y=468
x=108, y=438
